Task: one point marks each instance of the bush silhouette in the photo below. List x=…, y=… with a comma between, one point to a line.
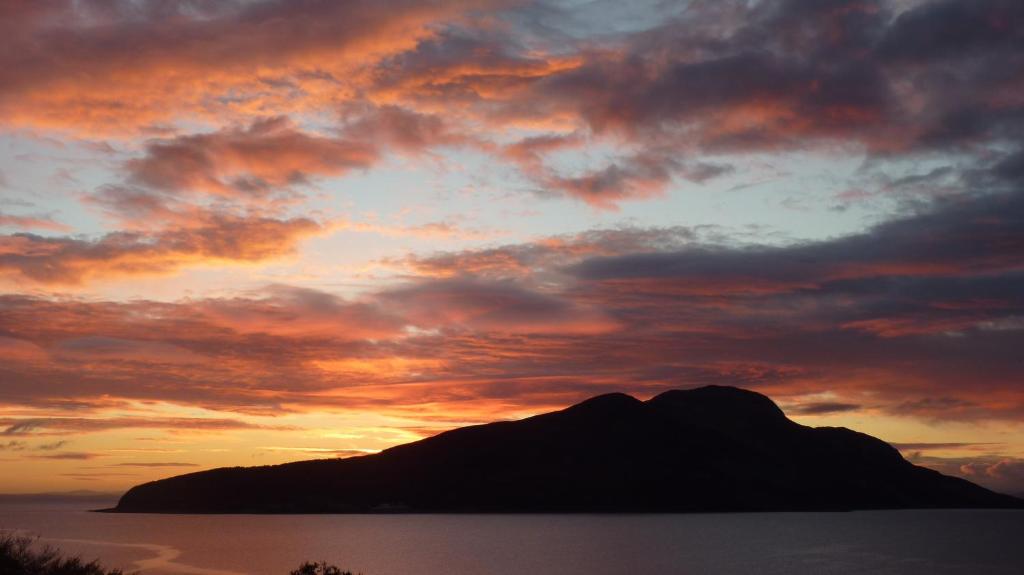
x=18, y=558
x=321, y=568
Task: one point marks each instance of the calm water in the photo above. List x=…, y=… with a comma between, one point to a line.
x=925, y=542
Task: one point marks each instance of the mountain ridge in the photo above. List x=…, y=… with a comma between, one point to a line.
x=712, y=448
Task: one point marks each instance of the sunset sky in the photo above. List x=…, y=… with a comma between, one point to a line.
x=250, y=232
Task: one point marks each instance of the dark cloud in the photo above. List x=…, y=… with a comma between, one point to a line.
x=490, y=306
x=22, y=427
x=733, y=78
x=77, y=425
x=69, y=455
x=925, y=446
x=825, y=408
x=51, y=446
x=646, y=174
x=955, y=237
x=955, y=29
x=531, y=259
x=1011, y=167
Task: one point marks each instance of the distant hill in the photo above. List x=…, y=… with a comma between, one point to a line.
x=706, y=449
x=83, y=496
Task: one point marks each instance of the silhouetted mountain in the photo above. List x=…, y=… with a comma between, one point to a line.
x=706, y=449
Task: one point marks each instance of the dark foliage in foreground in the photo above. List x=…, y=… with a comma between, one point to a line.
x=321, y=568
x=17, y=557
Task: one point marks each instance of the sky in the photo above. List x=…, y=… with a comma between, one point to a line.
x=257, y=231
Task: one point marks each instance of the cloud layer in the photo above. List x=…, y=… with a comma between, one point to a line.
x=920, y=315
x=230, y=133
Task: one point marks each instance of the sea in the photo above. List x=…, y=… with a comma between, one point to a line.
x=970, y=542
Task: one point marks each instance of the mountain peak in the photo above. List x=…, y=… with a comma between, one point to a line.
x=715, y=393
x=607, y=402
x=721, y=407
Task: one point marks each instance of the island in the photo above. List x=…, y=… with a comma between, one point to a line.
x=708, y=449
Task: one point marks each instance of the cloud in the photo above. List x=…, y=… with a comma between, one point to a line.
x=263, y=168
x=927, y=446
x=642, y=175
x=298, y=312
x=267, y=157
x=95, y=476
x=949, y=30
x=246, y=107
x=99, y=348
x=636, y=177
x=32, y=222
x=442, y=229
x=491, y=306
x=997, y=472
x=887, y=78
x=218, y=239
x=51, y=446
x=1008, y=469
x=124, y=67
x=155, y=464
x=78, y=425
x=69, y=455
x=549, y=254
x=402, y=129
x=322, y=452
x=737, y=78
x=17, y=349
x=21, y=427
x=825, y=408
x=917, y=316
x=962, y=236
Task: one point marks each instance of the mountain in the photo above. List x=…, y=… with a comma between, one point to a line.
x=706, y=449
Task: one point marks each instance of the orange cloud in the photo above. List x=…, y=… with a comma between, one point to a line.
x=265, y=157
x=223, y=239
x=295, y=312
x=387, y=367
x=19, y=427
x=12, y=349
x=32, y=222
x=119, y=70
x=636, y=309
